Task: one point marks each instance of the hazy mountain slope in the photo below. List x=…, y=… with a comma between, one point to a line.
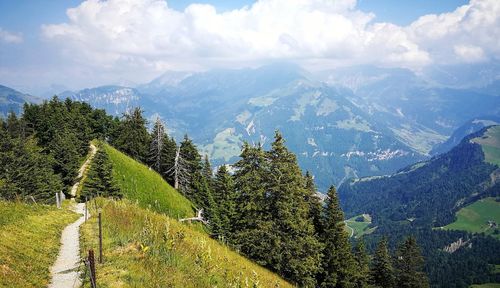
x=366, y=121
x=12, y=100
x=469, y=127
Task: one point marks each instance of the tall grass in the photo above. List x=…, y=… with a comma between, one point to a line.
x=29, y=242
x=145, y=249
x=147, y=187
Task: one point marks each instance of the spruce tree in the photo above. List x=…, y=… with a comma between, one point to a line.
x=297, y=257
x=156, y=147
x=363, y=265
x=339, y=267
x=65, y=153
x=190, y=170
x=169, y=152
x=225, y=197
x=382, y=272
x=315, y=205
x=100, y=181
x=253, y=235
x=133, y=136
x=409, y=265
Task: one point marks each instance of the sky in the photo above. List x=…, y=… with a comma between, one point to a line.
x=70, y=44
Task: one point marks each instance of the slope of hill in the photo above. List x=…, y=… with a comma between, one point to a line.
x=482, y=216
x=430, y=191
x=139, y=183
x=29, y=242
x=469, y=127
x=12, y=100
x=426, y=195
x=141, y=246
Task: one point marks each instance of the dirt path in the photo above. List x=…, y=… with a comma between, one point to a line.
x=64, y=272
x=352, y=230
x=82, y=170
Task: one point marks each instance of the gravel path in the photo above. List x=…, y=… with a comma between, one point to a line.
x=65, y=270
x=84, y=167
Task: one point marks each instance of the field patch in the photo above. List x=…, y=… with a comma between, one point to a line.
x=490, y=143
x=482, y=216
x=358, y=225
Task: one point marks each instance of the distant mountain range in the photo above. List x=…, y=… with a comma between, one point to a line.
x=350, y=122
x=12, y=100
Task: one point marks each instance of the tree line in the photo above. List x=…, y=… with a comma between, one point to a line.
x=268, y=210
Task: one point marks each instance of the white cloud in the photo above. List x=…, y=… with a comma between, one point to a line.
x=148, y=36
x=9, y=37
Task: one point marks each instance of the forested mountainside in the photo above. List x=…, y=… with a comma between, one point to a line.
x=345, y=123
x=423, y=197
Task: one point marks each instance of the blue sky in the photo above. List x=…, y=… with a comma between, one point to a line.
x=26, y=16
x=41, y=46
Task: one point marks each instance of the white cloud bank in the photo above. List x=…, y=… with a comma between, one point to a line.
x=9, y=37
x=148, y=36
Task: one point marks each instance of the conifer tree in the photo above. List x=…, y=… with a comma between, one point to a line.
x=133, y=136
x=100, y=181
x=66, y=156
x=409, y=265
x=169, y=152
x=156, y=147
x=315, y=206
x=297, y=257
x=26, y=171
x=382, y=272
x=189, y=170
x=254, y=235
x=363, y=265
x=225, y=197
x=339, y=267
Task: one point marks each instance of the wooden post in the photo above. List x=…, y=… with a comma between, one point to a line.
x=100, y=237
x=91, y=259
x=86, y=211
x=57, y=200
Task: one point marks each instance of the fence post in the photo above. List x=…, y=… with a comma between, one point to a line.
x=86, y=213
x=91, y=260
x=100, y=236
x=57, y=200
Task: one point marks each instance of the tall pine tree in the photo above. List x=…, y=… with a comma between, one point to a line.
x=409, y=265
x=158, y=140
x=100, y=181
x=382, y=272
x=297, y=257
x=363, y=265
x=339, y=267
x=225, y=197
x=133, y=136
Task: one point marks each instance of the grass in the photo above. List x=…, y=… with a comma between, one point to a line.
x=358, y=228
x=474, y=217
x=139, y=183
x=487, y=285
x=29, y=244
x=490, y=143
x=145, y=249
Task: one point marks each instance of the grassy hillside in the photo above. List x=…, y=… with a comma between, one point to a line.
x=138, y=182
x=474, y=217
x=146, y=249
x=29, y=242
x=490, y=143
